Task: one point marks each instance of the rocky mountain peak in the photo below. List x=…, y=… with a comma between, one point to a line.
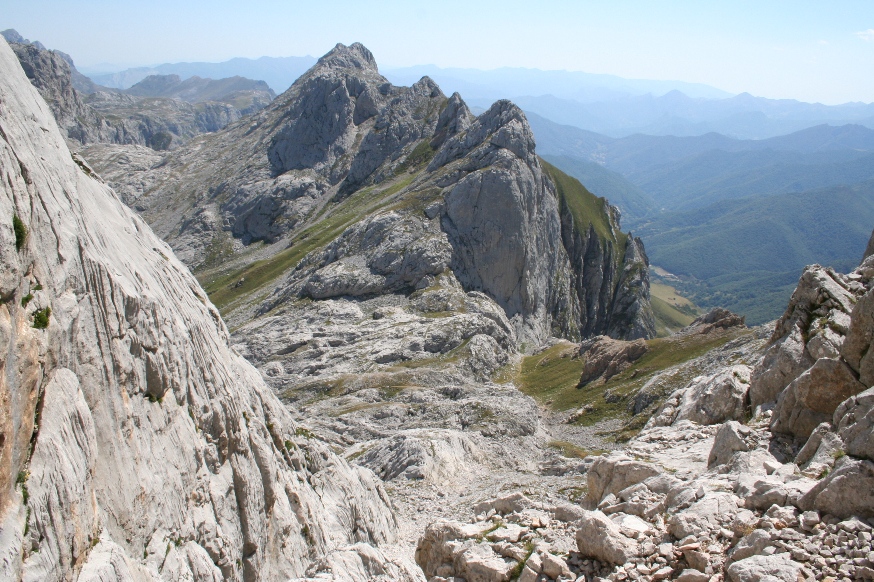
x=354, y=56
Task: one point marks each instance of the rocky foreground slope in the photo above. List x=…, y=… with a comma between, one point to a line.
x=705, y=492
x=134, y=443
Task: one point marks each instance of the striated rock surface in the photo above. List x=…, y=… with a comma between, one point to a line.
x=136, y=445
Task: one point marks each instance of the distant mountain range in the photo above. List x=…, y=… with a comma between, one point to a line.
x=510, y=82
x=742, y=116
x=278, y=72
x=606, y=104
x=736, y=219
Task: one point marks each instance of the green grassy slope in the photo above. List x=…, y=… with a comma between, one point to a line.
x=633, y=201
x=586, y=208
x=746, y=255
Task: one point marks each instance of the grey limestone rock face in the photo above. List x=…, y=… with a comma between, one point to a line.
x=856, y=348
x=502, y=222
x=631, y=315
x=815, y=318
x=613, y=474
x=847, y=491
x=813, y=397
x=854, y=423
x=730, y=439
x=159, y=452
x=712, y=399
x=598, y=537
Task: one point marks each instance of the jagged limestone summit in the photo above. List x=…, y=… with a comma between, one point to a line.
x=342, y=148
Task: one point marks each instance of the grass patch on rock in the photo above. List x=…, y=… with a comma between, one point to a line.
x=552, y=378
x=572, y=451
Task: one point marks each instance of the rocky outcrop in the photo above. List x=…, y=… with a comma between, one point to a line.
x=813, y=327
x=716, y=318
x=606, y=357
x=135, y=443
x=812, y=398
x=706, y=400
x=601, y=539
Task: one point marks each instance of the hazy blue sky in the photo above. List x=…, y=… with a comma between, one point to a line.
x=808, y=50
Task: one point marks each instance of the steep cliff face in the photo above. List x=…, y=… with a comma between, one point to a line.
x=342, y=145
x=134, y=443
x=610, y=268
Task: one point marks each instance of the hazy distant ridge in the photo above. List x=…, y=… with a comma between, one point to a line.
x=278, y=72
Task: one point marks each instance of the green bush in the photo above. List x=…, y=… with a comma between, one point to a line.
x=26, y=299
x=20, y=232
x=41, y=318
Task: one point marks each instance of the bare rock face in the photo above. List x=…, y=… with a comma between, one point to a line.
x=598, y=537
x=606, y=357
x=847, y=491
x=816, y=319
x=707, y=400
x=813, y=397
x=612, y=474
x=856, y=348
x=716, y=318
x=157, y=451
x=854, y=423
x=730, y=439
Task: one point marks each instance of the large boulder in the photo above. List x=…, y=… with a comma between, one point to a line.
x=730, y=439
x=614, y=473
x=598, y=537
x=846, y=491
x=776, y=568
x=854, y=422
x=714, y=399
x=813, y=397
x=817, y=456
